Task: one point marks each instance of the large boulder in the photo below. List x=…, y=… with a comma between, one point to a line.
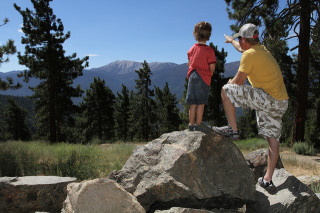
x=100, y=196
x=258, y=162
x=33, y=193
x=291, y=196
x=188, y=169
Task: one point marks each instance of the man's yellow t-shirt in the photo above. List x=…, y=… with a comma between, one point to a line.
x=263, y=71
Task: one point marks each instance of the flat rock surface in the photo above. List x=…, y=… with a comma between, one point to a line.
x=100, y=196
x=33, y=193
x=36, y=180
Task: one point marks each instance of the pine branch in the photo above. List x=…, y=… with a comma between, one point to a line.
x=294, y=48
x=294, y=21
x=287, y=12
x=295, y=36
x=5, y=21
x=295, y=27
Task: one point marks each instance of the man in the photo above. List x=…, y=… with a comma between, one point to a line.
x=267, y=94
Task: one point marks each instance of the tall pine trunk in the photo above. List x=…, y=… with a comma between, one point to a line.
x=52, y=110
x=302, y=73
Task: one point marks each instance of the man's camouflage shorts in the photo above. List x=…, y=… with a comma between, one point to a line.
x=269, y=111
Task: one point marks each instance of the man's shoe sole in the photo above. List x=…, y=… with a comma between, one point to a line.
x=225, y=135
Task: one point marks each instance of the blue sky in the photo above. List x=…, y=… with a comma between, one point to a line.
x=110, y=30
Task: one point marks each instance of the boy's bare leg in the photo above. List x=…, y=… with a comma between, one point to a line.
x=272, y=158
x=192, y=113
x=230, y=110
x=199, y=112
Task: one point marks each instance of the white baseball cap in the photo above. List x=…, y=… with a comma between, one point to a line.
x=247, y=31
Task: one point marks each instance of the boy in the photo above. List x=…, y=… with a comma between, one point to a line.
x=201, y=62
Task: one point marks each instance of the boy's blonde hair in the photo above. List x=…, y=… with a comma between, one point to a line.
x=202, y=31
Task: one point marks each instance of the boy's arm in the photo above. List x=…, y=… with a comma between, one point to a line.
x=212, y=67
x=235, y=43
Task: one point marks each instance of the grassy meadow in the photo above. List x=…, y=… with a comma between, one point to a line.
x=72, y=160
x=95, y=161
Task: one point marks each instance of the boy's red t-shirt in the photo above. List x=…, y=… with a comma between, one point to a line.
x=200, y=57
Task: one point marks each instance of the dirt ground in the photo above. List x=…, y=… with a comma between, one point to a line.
x=299, y=165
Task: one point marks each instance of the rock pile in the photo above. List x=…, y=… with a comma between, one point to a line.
x=180, y=172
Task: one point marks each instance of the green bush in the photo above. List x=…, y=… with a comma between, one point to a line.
x=315, y=187
x=8, y=165
x=303, y=148
x=252, y=144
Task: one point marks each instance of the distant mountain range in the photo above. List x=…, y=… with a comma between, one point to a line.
x=123, y=72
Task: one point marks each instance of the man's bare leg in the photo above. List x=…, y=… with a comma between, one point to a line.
x=272, y=158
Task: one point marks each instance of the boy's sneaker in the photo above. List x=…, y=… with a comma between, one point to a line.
x=227, y=132
x=269, y=186
x=203, y=128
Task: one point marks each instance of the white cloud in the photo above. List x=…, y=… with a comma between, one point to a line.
x=92, y=55
x=20, y=30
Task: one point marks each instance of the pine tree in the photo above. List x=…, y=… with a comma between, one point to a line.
x=184, y=114
x=302, y=72
x=15, y=118
x=23, y=102
x=278, y=23
x=143, y=105
x=132, y=109
x=7, y=49
x=313, y=121
x=167, y=113
x=46, y=60
x=213, y=112
x=3, y=126
x=98, y=111
x=122, y=113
